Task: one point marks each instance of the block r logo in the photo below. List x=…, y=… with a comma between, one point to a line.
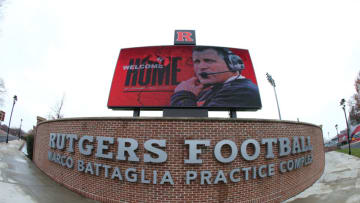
x=184, y=37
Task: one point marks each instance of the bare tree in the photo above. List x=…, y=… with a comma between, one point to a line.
x=2, y=91
x=56, y=109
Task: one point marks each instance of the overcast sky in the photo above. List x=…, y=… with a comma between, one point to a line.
x=51, y=48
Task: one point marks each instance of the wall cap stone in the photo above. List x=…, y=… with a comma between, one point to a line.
x=191, y=119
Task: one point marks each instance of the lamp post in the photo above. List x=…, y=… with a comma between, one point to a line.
x=337, y=133
x=272, y=82
x=19, y=135
x=342, y=104
x=7, y=134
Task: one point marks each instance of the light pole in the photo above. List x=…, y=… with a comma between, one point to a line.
x=272, y=82
x=342, y=104
x=7, y=134
x=337, y=133
x=20, y=129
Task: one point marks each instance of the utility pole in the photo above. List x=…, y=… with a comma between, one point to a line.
x=272, y=82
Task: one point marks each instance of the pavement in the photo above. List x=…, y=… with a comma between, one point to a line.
x=340, y=181
x=22, y=181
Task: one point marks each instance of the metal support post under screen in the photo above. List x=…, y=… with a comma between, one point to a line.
x=233, y=113
x=136, y=112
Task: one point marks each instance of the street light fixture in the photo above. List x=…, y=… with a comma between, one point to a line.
x=7, y=134
x=272, y=82
x=342, y=104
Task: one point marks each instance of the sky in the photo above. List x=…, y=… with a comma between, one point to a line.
x=53, y=48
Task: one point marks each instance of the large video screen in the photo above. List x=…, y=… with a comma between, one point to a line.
x=159, y=77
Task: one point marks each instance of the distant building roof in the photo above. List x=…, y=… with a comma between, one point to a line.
x=2, y=133
x=40, y=119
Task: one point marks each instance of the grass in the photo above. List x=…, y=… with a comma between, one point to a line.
x=354, y=151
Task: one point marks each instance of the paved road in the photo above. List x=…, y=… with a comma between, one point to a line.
x=3, y=138
x=353, y=145
x=356, y=145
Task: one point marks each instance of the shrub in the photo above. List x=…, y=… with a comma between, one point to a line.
x=30, y=145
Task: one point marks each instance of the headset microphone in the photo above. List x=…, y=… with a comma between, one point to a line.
x=205, y=75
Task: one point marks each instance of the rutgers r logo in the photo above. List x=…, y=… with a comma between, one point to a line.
x=184, y=37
